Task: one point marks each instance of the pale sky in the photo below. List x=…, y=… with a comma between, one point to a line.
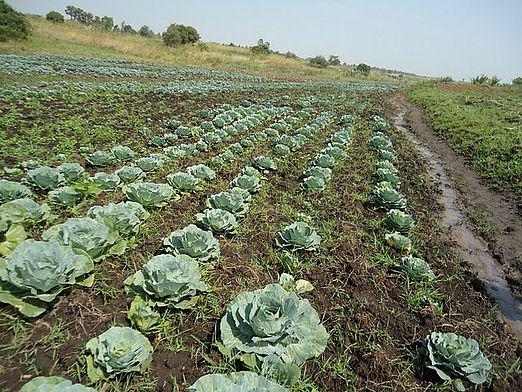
x=461, y=38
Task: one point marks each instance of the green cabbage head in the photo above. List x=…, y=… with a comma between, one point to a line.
x=298, y=236
x=313, y=184
x=397, y=220
x=455, y=358
x=217, y=220
x=235, y=382
x=149, y=194
x=264, y=163
x=105, y=181
x=24, y=212
x=53, y=384
x=248, y=183
x=416, y=268
x=101, y=159
x=45, y=177
x=122, y=153
x=228, y=201
x=12, y=190
x=184, y=182
x=67, y=196
x=386, y=197
x=130, y=174
x=193, y=242
x=73, y=172
x=119, y=350
x=124, y=218
x=36, y=272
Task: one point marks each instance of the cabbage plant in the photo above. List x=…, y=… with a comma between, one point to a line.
x=66, y=196
x=72, y=172
x=105, y=181
x=455, y=358
x=416, y=268
x=122, y=153
x=125, y=218
x=53, y=384
x=235, y=382
x=130, y=174
x=399, y=242
x=10, y=236
x=317, y=171
x=335, y=152
x=251, y=171
x=45, y=177
x=228, y=201
x=246, y=195
x=148, y=164
x=386, y=165
x=143, y=315
x=275, y=328
x=313, y=184
x=397, y=220
x=298, y=236
x=149, y=194
x=100, y=159
x=281, y=149
x=184, y=182
x=194, y=242
x=388, y=198
x=264, y=163
x=25, y=212
x=12, y=190
x=167, y=281
x=217, y=220
x=36, y=272
x=387, y=155
x=385, y=175
x=202, y=172
x=117, y=351
x=324, y=160
x=86, y=235
x=380, y=143
x=248, y=183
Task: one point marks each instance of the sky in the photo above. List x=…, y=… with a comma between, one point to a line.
x=459, y=38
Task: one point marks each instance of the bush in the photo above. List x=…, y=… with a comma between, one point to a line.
x=517, y=81
x=446, y=79
x=480, y=79
x=334, y=60
x=290, y=55
x=146, y=31
x=364, y=69
x=494, y=80
x=13, y=25
x=262, y=47
x=178, y=34
x=55, y=17
x=318, y=62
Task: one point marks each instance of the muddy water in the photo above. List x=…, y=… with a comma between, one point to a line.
x=472, y=248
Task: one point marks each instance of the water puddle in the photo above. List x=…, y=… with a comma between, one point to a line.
x=472, y=248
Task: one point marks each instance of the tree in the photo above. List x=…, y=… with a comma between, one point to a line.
x=127, y=29
x=178, y=34
x=146, y=31
x=55, y=17
x=517, y=81
x=13, y=25
x=318, y=62
x=480, y=79
x=334, y=60
x=262, y=47
x=364, y=69
x=494, y=80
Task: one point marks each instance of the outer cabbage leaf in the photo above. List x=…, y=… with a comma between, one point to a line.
x=235, y=382
x=53, y=384
x=193, y=242
x=10, y=236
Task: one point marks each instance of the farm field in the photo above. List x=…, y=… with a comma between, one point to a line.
x=227, y=222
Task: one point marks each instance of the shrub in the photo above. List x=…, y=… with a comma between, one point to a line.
x=318, y=62
x=13, y=25
x=262, y=48
x=178, y=34
x=446, y=79
x=479, y=79
x=55, y=17
x=334, y=60
x=517, y=81
x=146, y=31
x=364, y=69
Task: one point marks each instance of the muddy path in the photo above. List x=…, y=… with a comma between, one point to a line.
x=497, y=260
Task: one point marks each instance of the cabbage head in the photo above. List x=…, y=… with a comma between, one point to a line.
x=313, y=184
x=105, y=181
x=193, y=242
x=168, y=281
x=201, y=171
x=130, y=174
x=67, y=196
x=12, y=190
x=416, y=268
x=228, y=201
x=380, y=143
x=335, y=152
x=125, y=218
x=264, y=164
x=53, y=384
x=122, y=153
x=235, y=382
x=88, y=236
x=251, y=171
x=455, y=358
x=385, y=175
x=149, y=194
x=217, y=220
x=45, y=177
x=247, y=197
x=36, y=272
x=273, y=327
x=298, y=236
x=148, y=164
x=184, y=182
x=143, y=316
x=119, y=350
x=399, y=242
x=324, y=160
x=388, y=198
x=281, y=149
x=236, y=148
x=316, y=171
x=100, y=159
x=399, y=221
x=10, y=236
x=73, y=172
x=248, y=183
x=25, y=212
x=387, y=155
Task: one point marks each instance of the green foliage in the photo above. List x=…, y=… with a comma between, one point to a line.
x=399, y=242
x=13, y=25
x=25, y=212
x=119, y=350
x=183, y=182
x=45, y=177
x=298, y=236
x=125, y=218
x=455, y=358
x=517, y=81
x=28, y=286
x=149, y=194
x=264, y=163
x=317, y=171
x=146, y=31
x=479, y=79
x=66, y=196
x=130, y=174
x=334, y=60
x=105, y=181
x=262, y=48
x=416, y=268
x=101, y=159
x=364, y=69
x=240, y=381
x=122, y=153
x=11, y=234
x=55, y=17
x=387, y=198
x=178, y=34
x=246, y=182
x=53, y=384
x=193, y=242
x=313, y=184
x=202, y=172
x=228, y=201
x=397, y=220
x=72, y=172
x=318, y=62
x=217, y=220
